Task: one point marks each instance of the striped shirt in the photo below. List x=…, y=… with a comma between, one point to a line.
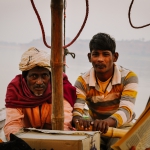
x=116, y=102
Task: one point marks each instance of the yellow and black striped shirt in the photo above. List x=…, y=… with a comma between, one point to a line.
x=117, y=101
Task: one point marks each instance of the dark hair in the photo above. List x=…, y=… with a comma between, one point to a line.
x=102, y=41
x=24, y=74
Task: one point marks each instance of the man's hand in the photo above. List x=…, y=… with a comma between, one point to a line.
x=96, y=125
x=100, y=125
x=82, y=124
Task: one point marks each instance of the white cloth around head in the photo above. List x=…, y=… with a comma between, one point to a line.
x=34, y=57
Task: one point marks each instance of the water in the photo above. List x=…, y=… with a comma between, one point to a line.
x=77, y=66
x=9, y=64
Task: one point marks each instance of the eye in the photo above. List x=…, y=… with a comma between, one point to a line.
x=106, y=54
x=45, y=75
x=33, y=76
x=95, y=54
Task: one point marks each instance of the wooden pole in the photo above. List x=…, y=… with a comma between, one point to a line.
x=64, y=56
x=57, y=116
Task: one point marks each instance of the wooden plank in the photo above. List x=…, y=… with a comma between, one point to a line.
x=2, y=117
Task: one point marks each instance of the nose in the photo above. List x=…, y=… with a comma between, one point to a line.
x=100, y=58
x=39, y=80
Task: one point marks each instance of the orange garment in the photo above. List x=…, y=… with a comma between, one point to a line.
x=38, y=117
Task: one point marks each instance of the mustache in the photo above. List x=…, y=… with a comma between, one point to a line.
x=100, y=65
x=39, y=86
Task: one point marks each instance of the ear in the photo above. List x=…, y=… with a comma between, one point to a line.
x=89, y=56
x=116, y=55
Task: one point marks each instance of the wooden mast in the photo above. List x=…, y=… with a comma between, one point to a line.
x=56, y=62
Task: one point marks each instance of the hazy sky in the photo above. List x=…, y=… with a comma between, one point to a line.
x=18, y=22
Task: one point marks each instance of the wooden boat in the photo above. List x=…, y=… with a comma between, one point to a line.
x=2, y=122
x=2, y=111
x=2, y=117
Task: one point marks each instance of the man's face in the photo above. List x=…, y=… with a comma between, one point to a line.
x=102, y=60
x=37, y=80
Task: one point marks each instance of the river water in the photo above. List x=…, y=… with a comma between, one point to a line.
x=9, y=64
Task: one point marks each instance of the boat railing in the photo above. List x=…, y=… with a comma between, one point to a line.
x=2, y=117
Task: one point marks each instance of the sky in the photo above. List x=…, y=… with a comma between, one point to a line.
x=19, y=24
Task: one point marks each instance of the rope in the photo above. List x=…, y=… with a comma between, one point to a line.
x=41, y=25
x=130, y=18
x=85, y=19
x=66, y=51
x=42, y=28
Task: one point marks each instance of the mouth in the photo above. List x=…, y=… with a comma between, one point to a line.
x=100, y=66
x=39, y=89
x=38, y=94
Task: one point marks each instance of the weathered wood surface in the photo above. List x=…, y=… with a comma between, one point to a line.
x=2, y=117
x=56, y=62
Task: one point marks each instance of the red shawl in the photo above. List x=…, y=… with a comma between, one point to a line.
x=19, y=96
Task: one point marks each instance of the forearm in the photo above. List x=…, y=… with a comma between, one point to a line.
x=11, y=128
x=128, y=99
x=111, y=122
x=67, y=115
x=13, y=122
x=124, y=113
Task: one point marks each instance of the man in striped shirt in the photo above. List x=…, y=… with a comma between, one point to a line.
x=108, y=89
